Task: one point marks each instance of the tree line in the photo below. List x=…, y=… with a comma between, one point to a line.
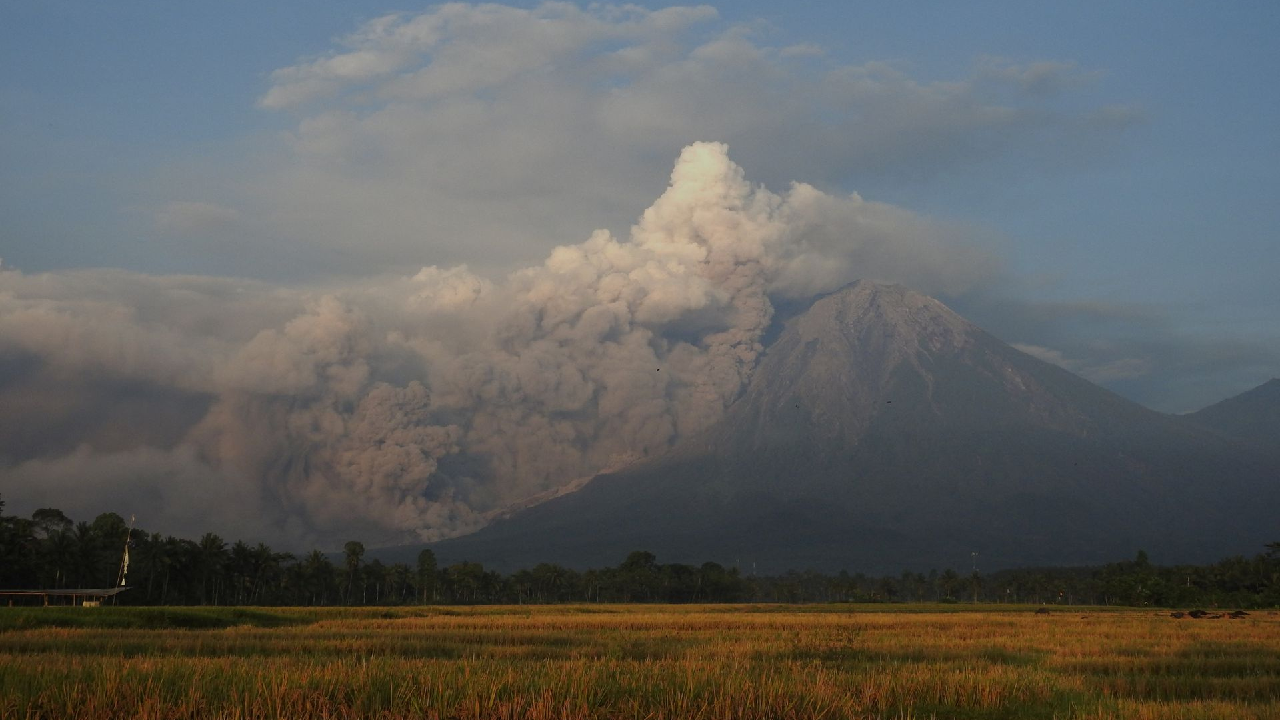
x=51, y=551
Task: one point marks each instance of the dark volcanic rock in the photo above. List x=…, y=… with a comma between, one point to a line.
x=882, y=431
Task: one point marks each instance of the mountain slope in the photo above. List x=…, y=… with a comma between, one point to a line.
x=1252, y=416
x=882, y=431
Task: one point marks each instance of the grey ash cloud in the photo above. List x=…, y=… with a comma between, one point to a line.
x=413, y=406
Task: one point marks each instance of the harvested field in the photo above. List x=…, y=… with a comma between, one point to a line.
x=635, y=662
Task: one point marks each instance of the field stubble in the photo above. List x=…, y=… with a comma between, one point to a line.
x=578, y=662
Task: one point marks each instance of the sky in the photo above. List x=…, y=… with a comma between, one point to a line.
x=218, y=215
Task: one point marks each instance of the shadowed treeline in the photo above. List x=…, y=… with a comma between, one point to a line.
x=51, y=551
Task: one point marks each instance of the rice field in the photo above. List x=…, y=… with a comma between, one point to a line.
x=677, y=662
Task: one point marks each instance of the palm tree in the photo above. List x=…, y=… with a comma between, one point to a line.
x=86, y=553
x=267, y=571
x=375, y=573
x=148, y=560
x=427, y=575
x=275, y=574
x=317, y=573
x=354, y=550
x=213, y=558
x=241, y=569
x=170, y=556
x=59, y=550
x=401, y=582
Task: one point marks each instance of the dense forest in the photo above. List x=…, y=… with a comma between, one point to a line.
x=51, y=551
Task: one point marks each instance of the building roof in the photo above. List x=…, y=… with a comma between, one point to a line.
x=63, y=592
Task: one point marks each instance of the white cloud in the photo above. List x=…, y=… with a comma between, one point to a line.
x=462, y=48
x=483, y=133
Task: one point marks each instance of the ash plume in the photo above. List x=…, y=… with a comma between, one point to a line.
x=410, y=407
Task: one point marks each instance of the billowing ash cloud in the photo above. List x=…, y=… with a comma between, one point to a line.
x=409, y=407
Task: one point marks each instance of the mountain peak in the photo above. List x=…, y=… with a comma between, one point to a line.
x=912, y=319
x=836, y=366
x=882, y=431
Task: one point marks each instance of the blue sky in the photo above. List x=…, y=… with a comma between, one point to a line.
x=1141, y=182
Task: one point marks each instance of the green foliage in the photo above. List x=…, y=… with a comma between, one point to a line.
x=427, y=575
x=49, y=521
x=50, y=551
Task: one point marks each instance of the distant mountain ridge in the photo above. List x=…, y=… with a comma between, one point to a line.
x=1252, y=416
x=882, y=431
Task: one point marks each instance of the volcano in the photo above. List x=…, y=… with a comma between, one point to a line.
x=882, y=432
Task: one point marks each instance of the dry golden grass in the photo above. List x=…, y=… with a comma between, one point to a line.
x=645, y=662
